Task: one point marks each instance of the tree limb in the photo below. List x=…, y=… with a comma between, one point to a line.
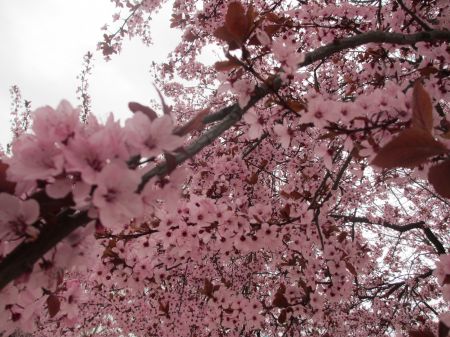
x=400, y=228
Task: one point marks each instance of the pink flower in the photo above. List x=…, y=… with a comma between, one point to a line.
x=86, y=156
x=17, y=215
x=244, y=89
x=34, y=159
x=59, y=188
x=256, y=127
x=89, y=154
x=318, y=109
x=151, y=138
x=74, y=296
x=56, y=125
x=115, y=195
x=286, y=52
x=283, y=131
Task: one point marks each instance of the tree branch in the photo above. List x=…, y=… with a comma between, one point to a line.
x=400, y=228
x=414, y=16
x=373, y=37
x=22, y=258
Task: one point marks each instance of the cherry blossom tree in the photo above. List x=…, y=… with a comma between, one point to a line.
x=298, y=186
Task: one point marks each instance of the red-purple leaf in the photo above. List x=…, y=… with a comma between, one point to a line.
x=251, y=14
x=421, y=333
x=236, y=22
x=351, y=268
x=443, y=330
x=171, y=162
x=5, y=185
x=422, y=108
x=410, y=148
x=439, y=177
x=166, y=109
x=282, y=317
x=280, y=301
x=195, y=124
x=223, y=34
x=226, y=65
x=53, y=305
x=150, y=113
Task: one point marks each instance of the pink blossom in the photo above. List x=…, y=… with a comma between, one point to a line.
x=283, y=131
x=244, y=89
x=256, y=127
x=17, y=215
x=88, y=154
x=286, y=52
x=115, y=195
x=56, y=125
x=59, y=188
x=317, y=113
x=151, y=138
x=73, y=297
x=34, y=159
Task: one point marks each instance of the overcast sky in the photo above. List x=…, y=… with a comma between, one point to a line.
x=42, y=48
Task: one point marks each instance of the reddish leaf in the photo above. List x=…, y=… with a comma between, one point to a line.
x=253, y=41
x=421, y=333
x=226, y=65
x=223, y=34
x=251, y=14
x=296, y=106
x=410, y=148
x=236, y=22
x=271, y=16
x=282, y=317
x=285, y=211
x=164, y=307
x=195, y=124
x=190, y=36
x=341, y=238
x=422, y=108
x=272, y=29
x=443, y=330
x=176, y=20
x=446, y=279
x=5, y=185
x=53, y=305
x=166, y=109
x=428, y=71
x=150, y=113
x=253, y=179
x=351, y=268
x=439, y=177
x=280, y=301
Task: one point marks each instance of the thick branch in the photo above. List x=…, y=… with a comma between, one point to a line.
x=373, y=37
x=22, y=258
x=400, y=228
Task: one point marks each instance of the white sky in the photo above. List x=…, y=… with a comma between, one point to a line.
x=42, y=48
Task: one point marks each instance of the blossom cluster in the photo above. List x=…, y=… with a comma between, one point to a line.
x=76, y=167
x=88, y=162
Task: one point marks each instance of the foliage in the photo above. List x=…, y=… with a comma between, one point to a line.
x=297, y=187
